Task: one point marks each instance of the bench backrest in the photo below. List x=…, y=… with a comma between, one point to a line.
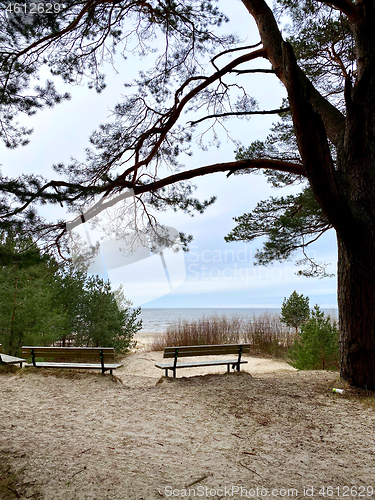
x=206, y=350
x=86, y=353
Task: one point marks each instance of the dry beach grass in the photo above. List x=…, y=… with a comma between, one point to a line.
x=264, y=331
x=139, y=436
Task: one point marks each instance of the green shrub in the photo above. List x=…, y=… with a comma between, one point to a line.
x=317, y=347
x=103, y=317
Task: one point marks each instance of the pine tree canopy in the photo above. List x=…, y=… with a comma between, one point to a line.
x=197, y=70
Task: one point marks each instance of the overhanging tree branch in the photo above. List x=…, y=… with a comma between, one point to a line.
x=250, y=71
x=314, y=118
x=39, y=43
x=283, y=166
x=229, y=51
x=241, y=113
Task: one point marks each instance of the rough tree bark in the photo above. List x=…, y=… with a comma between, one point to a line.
x=356, y=236
x=356, y=299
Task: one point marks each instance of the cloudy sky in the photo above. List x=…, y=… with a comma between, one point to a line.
x=213, y=273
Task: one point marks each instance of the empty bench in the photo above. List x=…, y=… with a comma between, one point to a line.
x=89, y=358
x=5, y=359
x=204, y=350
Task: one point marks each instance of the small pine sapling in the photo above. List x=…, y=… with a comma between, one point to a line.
x=295, y=310
x=317, y=347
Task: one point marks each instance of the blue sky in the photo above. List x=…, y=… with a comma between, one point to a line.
x=218, y=274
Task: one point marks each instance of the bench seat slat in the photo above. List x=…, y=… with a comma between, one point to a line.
x=83, y=366
x=69, y=356
x=202, y=353
x=208, y=350
x=200, y=363
x=204, y=346
x=70, y=352
x=53, y=348
x=10, y=360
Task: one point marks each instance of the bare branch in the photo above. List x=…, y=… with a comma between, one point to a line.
x=242, y=113
x=259, y=70
x=229, y=51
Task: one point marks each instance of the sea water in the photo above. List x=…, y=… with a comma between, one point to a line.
x=157, y=320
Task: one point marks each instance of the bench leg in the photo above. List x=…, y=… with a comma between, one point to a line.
x=228, y=368
x=174, y=373
x=166, y=372
x=236, y=367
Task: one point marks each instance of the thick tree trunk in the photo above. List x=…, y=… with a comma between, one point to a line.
x=356, y=300
x=356, y=232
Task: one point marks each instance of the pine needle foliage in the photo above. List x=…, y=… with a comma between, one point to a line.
x=317, y=347
x=295, y=310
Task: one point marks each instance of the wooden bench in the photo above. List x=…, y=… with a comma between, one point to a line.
x=204, y=350
x=5, y=359
x=101, y=357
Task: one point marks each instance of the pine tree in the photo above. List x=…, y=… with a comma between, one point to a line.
x=30, y=313
x=295, y=310
x=101, y=322
x=72, y=296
